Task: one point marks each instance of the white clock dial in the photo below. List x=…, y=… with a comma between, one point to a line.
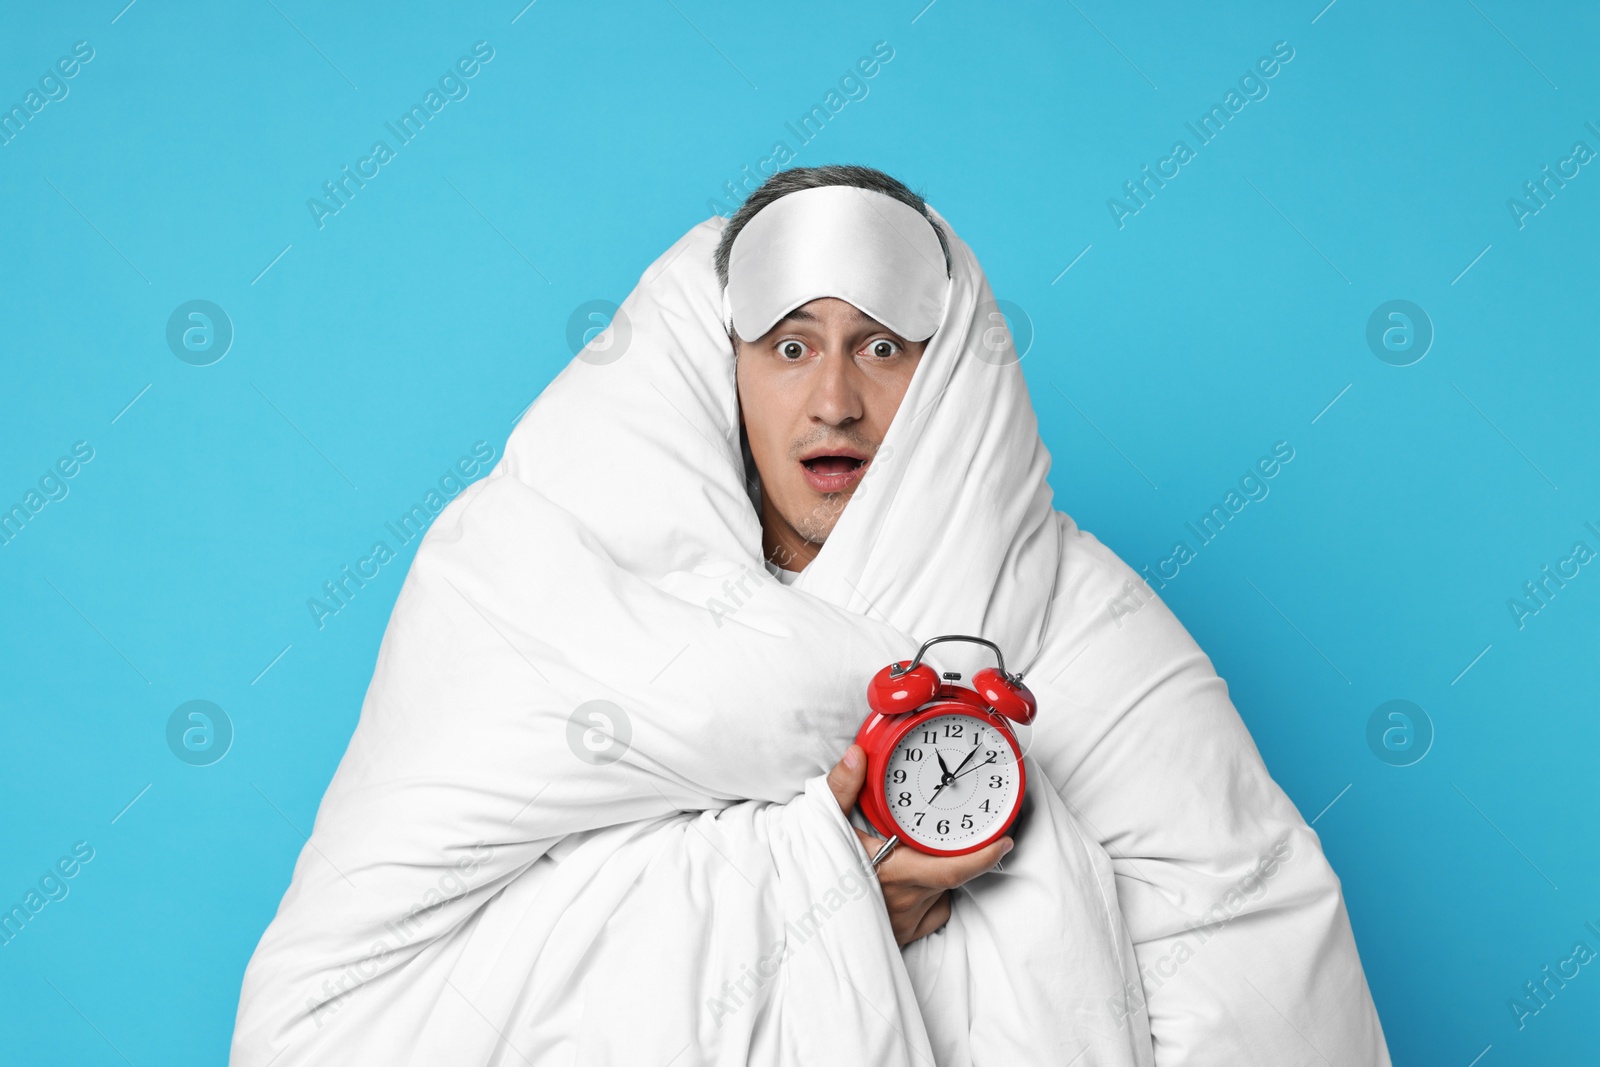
x=951, y=782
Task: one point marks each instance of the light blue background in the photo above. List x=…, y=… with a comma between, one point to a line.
x=1225, y=316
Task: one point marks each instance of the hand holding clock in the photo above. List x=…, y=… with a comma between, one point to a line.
x=916, y=886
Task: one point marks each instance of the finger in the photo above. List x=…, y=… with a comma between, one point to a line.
x=948, y=872
x=933, y=919
x=846, y=777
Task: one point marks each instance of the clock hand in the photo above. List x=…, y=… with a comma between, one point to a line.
x=951, y=776
x=964, y=762
x=985, y=763
x=946, y=778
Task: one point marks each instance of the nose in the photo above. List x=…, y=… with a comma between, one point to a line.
x=836, y=390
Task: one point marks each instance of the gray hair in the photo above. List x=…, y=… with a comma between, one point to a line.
x=792, y=181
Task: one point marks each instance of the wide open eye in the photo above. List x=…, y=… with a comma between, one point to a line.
x=883, y=348
x=791, y=350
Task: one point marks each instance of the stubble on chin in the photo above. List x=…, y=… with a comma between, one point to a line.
x=814, y=525
x=818, y=522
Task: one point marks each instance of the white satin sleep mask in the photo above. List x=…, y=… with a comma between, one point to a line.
x=860, y=246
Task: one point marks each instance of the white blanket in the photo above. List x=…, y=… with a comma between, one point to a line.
x=496, y=876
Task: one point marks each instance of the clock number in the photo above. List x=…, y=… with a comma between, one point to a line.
x=913, y=755
x=918, y=816
x=943, y=826
x=905, y=800
x=898, y=777
x=930, y=736
x=984, y=806
x=952, y=729
x=966, y=820
x=995, y=781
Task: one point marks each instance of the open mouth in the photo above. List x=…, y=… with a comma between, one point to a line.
x=833, y=473
x=832, y=464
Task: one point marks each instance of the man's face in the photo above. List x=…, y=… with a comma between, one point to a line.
x=816, y=396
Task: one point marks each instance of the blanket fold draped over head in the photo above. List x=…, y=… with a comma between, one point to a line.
x=582, y=819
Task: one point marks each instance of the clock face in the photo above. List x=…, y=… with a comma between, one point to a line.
x=952, y=782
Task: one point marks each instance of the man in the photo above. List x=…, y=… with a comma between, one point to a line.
x=816, y=396
x=584, y=817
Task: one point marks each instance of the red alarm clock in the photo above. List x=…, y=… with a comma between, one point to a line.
x=944, y=771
